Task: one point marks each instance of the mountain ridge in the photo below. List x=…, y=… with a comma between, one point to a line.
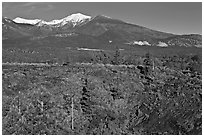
x=74, y=18
x=100, y=29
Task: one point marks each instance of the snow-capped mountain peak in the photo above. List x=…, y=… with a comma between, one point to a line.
x=26, y=21
x=75, y=18
x=53, y=22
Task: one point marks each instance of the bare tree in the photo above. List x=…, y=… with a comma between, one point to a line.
x=72, y=113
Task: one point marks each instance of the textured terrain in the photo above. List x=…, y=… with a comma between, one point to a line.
x=86, y=98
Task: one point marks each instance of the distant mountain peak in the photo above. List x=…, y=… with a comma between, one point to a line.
x=78, y=14
x=75, y=18
x=100, y=28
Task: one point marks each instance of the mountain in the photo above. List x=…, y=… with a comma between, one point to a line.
x=80, y=30
x=107, y=29
x=75, y=19
x=12, y=30
x=185, y=40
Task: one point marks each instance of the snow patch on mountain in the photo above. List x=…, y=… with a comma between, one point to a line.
x=75, y=19
x=162, y=44
x=89, y=49
x=141, y=43
x=26, y=21
x=198, y=46
x=53, y=22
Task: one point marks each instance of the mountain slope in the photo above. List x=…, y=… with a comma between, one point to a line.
x=191, y=40
x=12, y=30
x=100, y=24
x=185, y=40
x=86, y=31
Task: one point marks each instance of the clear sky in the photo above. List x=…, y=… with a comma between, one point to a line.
x=178, y=18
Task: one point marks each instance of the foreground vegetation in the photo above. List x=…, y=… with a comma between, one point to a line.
x=153, y=95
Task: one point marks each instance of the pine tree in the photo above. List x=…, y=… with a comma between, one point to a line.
x=85, y=100
x=72, y=113
x=116, y=58
x=147, y=63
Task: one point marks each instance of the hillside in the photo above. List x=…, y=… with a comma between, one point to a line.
x=90, y=32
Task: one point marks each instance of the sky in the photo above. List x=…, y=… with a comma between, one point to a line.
x=177, y=18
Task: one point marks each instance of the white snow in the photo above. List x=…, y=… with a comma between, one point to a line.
x=26, y=21
x=162, y=44
x=198, y=46
x=89, y=49
x=75, y=19
x=53, y=22
x=141, y=43
x=146, y=43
